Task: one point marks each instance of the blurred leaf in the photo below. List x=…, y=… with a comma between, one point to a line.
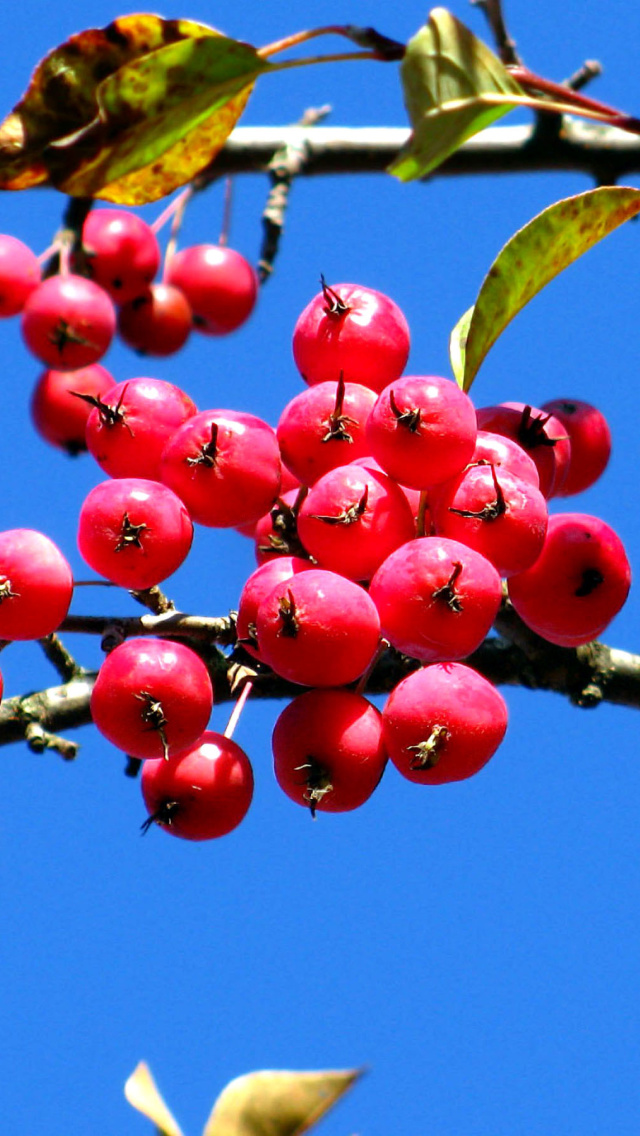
x=61, y=96
x=454, y=86
x=458, y=344
x=128, y=112
x=141, y=1092
x=534, y=256
x=277, y=1103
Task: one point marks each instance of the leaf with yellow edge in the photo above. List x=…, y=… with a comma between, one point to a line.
x=141, y=1092
x=128, y=112
x=534, y=256
x=61, y=97
x=277, y=1102
x=162, y=118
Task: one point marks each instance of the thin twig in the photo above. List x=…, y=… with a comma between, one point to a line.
x=506, y=46
x=286, y=164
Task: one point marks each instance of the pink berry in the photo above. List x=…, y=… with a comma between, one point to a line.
x=443, y=723
x=19, y=275
x=422, y=430
x=225, y=465
x=590, y=439
x=36, y=585
x=318, y=629
x=121, y=252
x=437, y=599
x=259, y=584
x=152, y=697
x=352, y=331
x=68, y=322
x=352, y=519
x=577, y=584
x=503, y=453
x=494, y=512
x=220, y=285
x=58, y=415
x=129, y=427
x=323, y=427
x=328, y=750
x=134, y=531
x=157, y=322
x=538, y=432
x=202, y=792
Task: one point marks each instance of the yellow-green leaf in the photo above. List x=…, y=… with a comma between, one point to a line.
x=277, y=1102
x=157, y=104
x=61, y=96
x=534, y=256
x=453, y=86
x=128, y=112
x=141, y=1092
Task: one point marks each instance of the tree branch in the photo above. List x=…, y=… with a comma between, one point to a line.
x=587, y=675
x=604, y=153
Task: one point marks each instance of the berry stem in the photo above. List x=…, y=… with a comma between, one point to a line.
x=238, y=708
x=223, y=239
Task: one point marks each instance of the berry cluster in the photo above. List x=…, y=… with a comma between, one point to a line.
x=386, y=512
x=69, y=319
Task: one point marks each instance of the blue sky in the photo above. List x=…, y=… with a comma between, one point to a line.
x=473, y=945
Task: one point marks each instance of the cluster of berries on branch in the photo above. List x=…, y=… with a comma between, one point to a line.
x=387, y=512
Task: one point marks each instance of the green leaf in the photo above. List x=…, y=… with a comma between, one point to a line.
x=534, y=256
x=141, y=1092
x=277, y=1102
x=454, y=86
x=128, y=112
x=184, y=98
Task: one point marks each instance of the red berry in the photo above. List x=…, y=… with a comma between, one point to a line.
x=590, y=439
x=443, y=723
x=328, y=750
x=68, y=322
x=121, y=252
x=152, y=697
x=318, y=629
x=353, y=518
x=128, y=429
x=323, y=427
x=577, y=584
x=19, y=275
x=494, y=512
x=538, y=432
x=351, y=331
x=157, y=322
x=504, y=453
x=58, y=415
x=422, y=430
x=225, y=466
x=133, y=531
x=36, y=585
x=202, y=792
x=259, y=584
x=437, y=599
x=220, y=285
